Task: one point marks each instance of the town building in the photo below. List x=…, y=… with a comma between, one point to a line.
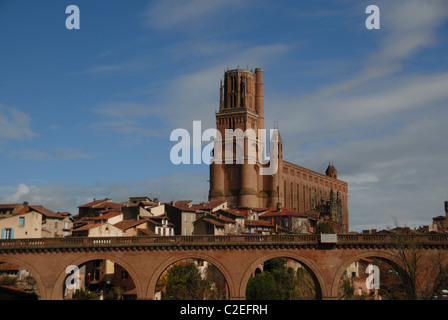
x=138, y=216
x=440, y=223
x=93, y=229
x=214, y=224
x=19, y=221
x=290, y=221
x=97, y=207
x=184, y=213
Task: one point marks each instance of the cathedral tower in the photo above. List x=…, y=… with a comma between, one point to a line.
x=240, y=108
x=236, y=176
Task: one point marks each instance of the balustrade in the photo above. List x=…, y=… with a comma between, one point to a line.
x=305, y=239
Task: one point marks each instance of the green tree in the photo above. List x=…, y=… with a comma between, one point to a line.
x=183, y=281
x=346, y=290
x=324, y=227
x=277, y=282
x=84, y=295
x=261, y=287
x=306, y=287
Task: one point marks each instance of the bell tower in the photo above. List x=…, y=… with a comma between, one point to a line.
x=241, y=100
x=241, y=107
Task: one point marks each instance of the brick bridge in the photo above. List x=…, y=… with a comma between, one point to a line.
x=145, y=258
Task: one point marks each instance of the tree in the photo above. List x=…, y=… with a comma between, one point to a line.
x=409, y=252
x=346, y=290
x=306, y=288
x=324, y=227
x=183, y=281
x=438, y=272
x=84, y=295
x=277, y=282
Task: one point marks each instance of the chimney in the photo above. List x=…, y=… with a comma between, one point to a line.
x=446, y=208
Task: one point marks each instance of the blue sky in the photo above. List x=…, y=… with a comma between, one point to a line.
x=88, y=113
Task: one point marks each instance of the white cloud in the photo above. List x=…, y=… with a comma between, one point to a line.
x=176, y=13
x=408, y=26
x=58, y=154
x=191, y=95
x=384, y=127
x=67, y=197
x=14, y=124
x=195, y=95
x=130, y=120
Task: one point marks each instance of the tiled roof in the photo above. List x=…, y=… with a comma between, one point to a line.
x=208, y=205
x=183, y=203
x=88, y=226
x=94, y=203
x=261, y=223
x=104, y=203
x=282, y=212
x=157, y=220
x=126, y=224
x=108, y=215
x=10, y=206
x=40, y=209
x=145, y=232
x=214, y=219
x=214, y=222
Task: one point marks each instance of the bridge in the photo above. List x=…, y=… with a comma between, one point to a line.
x=146, y=258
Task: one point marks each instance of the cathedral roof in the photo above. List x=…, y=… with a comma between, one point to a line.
x=331, y=169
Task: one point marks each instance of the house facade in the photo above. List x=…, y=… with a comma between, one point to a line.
x=18, y=221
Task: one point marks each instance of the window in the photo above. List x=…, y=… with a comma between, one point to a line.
x=7, y=233
x=21, y=221
x=124, y=275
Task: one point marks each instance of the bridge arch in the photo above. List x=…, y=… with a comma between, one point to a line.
x=80, y=260
x=151, y=289
x=383, y=255
x=34, y=272
x=310, y=266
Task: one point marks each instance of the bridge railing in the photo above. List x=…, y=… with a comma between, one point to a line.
x=306, y=239
x=392, y=239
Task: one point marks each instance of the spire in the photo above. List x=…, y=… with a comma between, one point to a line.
x=331, y=171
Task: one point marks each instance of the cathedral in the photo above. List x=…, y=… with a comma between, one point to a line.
x=241, y=106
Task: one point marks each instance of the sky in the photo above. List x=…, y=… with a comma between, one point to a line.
x=87, y=113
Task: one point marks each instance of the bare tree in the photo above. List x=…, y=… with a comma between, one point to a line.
x=409, y=252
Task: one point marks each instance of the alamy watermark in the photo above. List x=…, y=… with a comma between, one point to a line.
x=373, y=280
x=73, y=21
x=73, y=280
x=237, y=146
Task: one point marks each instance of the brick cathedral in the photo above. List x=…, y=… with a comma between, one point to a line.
x=241, y=106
